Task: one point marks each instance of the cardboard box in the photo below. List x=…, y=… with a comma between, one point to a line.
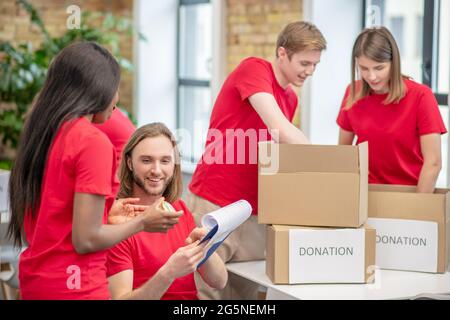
x=4, y=181
x=321, y=255
x=311, y=185
x=413, y=229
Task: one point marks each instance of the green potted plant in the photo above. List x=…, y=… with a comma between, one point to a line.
x=23, y=68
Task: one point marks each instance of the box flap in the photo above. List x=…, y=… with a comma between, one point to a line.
x=407, y=205
x=399, y=188
x=392, y=188
x=277, y=257
x=363, y=149
x=370, y=251
x=270, y=253
x=310, y=158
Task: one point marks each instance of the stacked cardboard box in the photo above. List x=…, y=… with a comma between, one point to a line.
x=303, y=187
x=305, y=255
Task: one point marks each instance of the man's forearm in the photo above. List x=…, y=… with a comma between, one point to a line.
x=214, y=272
x=292, y=135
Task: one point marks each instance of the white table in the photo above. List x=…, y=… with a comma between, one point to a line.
x=388, y=285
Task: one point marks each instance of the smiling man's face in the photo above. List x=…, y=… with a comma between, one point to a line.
x=300, y=66
x=153, y=163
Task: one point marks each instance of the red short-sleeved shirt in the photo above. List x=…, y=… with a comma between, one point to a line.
x=119, y=129
x=393, y=132
x=234, y=174
x=145, y=253
x=81, y=159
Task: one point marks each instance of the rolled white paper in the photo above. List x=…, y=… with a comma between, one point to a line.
x=227, y=219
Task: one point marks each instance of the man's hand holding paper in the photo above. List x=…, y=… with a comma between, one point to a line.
x=221, y=223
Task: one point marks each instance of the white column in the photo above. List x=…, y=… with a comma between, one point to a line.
x=340, y=21
x=156, y=61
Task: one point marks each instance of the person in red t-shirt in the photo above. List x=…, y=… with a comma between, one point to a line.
x=397, y=116
x=118, y=128
x=61, y=180
x=151, y=265
x=256, y=103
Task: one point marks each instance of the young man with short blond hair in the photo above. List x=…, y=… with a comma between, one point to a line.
x=256, y=101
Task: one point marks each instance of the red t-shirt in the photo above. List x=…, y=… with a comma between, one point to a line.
x=393, y=132
x=146, y=252
x=234, y=174
x=119, y=129
x=81, y=159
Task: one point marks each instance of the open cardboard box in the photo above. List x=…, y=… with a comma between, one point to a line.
x=402, y=218
x=312, y=185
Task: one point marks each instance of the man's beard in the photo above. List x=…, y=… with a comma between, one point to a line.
x=141, y=184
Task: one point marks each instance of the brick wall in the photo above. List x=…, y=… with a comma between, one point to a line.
x=253, y=27
x=15, y=26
